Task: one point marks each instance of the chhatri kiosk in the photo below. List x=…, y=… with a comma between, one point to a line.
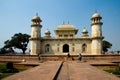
x=66, y=40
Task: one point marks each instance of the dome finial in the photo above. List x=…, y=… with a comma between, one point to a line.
x=96, y=11
x=84, y=28
x=68, y=22
x=36, y=14
x=63, y=22
x=47, y=29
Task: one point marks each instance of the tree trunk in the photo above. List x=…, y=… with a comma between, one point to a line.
x=23, y=51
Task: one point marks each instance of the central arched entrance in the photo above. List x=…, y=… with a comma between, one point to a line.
x=65, y=48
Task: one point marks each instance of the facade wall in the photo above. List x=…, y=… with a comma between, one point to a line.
x=56, y=46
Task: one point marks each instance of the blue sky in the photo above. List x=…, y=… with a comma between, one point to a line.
x=16, y=15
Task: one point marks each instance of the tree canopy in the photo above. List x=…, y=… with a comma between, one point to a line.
x=19, y=41
x=106, y=45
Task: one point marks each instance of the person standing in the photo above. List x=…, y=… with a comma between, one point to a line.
x=80, y=57
x=68, y=55
x=39, y=56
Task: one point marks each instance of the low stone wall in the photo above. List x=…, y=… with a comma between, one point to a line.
x=110, y=58
x=84, y=57
x=17, y=58
x=107, y=67
x=24, y=66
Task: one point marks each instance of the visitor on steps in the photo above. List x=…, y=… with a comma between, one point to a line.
x=68, y=55
x=80, y=57
x=39, y=56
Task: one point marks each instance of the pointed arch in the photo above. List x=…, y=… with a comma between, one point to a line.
x=84, y=48
x=47, y=48
x=65, y=48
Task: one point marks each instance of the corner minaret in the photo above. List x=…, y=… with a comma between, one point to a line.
x=35, y=39
x=97, y=37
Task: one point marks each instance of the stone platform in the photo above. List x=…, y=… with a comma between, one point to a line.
x=67, y=70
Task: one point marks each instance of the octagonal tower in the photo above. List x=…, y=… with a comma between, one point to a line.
x=35, y=39
x=96, y=36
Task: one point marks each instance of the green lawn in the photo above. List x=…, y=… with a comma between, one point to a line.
x=3, y=75
x=2, y=66
x=116, y=72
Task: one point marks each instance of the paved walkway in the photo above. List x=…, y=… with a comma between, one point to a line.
x=70, y=70
x=64, y=72
x=83, y=71
x=46, y=71
x=74, y=70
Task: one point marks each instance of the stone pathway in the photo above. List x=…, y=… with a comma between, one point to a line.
x=70, y=70
x=64, y=73
x=75, y=70
x=83, y=71
x=46, y=71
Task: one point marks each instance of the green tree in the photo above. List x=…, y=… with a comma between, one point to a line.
x=106, y=45
x=2, y=51
x=19, y=41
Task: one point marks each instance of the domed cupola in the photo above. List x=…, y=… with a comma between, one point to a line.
x=47, y=33
x=36, y=18
x=66, y=31
x=84, y=32
x=96, y=15
x=66, y=27
x=96, y=19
